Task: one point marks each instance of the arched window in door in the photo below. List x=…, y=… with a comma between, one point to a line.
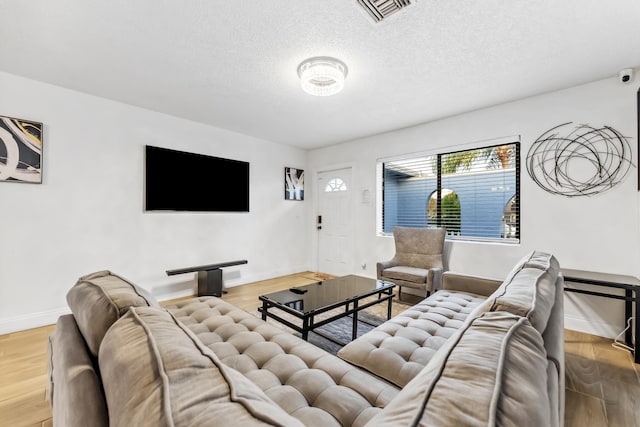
x=335, y=184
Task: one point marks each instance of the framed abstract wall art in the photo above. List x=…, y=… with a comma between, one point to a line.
x=20, y=150
x=293, y=184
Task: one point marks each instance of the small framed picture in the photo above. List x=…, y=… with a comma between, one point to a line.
x=293, y=184
x=20, y=150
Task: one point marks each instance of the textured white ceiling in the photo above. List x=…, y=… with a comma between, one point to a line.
x=232, y=64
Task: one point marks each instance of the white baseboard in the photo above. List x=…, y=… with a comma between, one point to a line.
x=49, y=317
x=32, y=320
x=600, y=329
x=43, y=318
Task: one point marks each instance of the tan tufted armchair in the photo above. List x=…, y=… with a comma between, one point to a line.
x=418, y=259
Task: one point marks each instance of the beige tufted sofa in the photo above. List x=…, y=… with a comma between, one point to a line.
x=478, y=352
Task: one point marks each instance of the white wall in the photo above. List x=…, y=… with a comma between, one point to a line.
x=598, y=233
x=88, y=213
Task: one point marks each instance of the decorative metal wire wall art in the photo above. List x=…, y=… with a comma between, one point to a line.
x=585, y=161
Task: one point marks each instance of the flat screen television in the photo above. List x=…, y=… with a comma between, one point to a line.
x=182, y=181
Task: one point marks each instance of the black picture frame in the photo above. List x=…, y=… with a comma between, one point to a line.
x=293, y=184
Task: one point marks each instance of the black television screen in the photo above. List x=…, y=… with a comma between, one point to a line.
x=181, y=181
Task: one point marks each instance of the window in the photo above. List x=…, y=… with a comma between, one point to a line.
x=335, y=184
x=473, y=194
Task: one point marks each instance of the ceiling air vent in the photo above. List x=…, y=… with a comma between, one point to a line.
x=380, y=9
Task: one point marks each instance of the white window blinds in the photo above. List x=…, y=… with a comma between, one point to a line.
x=473, y=194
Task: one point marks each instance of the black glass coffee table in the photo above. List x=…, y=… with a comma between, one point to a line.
x=307, y=302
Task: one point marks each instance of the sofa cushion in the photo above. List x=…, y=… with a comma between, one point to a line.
x=97, y=300
x=156, y=372
x=398, y=349
x=491, y=372
x=530, y=289
x=72, y=378
x=541, y=261
x=410, y=274
x=308, y=383
x=534, y=259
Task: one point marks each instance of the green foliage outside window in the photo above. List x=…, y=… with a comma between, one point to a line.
x=450, y=212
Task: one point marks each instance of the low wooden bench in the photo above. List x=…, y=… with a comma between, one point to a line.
x=209, y=276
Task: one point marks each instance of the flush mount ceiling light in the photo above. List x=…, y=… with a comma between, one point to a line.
x=322, y=75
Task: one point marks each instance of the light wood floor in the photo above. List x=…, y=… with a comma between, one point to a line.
x=603, y=383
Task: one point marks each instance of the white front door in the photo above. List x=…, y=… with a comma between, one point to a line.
x=335, y=222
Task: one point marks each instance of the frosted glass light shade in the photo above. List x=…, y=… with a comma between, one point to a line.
x=322, y=75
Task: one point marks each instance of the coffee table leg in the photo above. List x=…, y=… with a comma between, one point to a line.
x=305, y=328
x=264, y=310
x=389, y=305
x=354, y=327
x=636, y=347
x=628, y=312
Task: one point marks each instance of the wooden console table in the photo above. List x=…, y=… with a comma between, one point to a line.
x=631, y=297
x=209, y=276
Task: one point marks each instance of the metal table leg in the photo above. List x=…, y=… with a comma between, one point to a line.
x=354, y=326
x=636, y=353
x=628, y=312
x=305, y=328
